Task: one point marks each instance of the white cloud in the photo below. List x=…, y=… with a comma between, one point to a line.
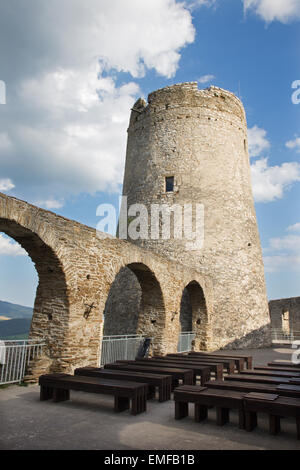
x=6, y=184
x=69, y=112
x=50, y=204
x=206, y=78
x=294, y=144
x=278, y=263
x=269, y=182
x=8, y=247
x=5, y=142
x=271, y=10
x=283, y=253
x=258, y=141
x=294, y=228
x=288, y=242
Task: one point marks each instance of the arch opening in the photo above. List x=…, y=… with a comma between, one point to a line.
x=193, y=313
x=51, y=305
x=135, y=304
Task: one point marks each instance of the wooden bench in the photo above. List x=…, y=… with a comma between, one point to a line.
x=201, y=371
x=281, y=389
x=227, y=363
x=239, y=362
x=275, y=406
x=155, y=381
x=216, y=368
x=284, y=369
x=186, y=375
x=248, y=360
x=284, y=364
x=58, y=386
x=272, y=373
x=204, y=398
x=267, y=379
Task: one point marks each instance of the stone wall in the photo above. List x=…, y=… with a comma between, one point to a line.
x=285, y=314
x=77, y=269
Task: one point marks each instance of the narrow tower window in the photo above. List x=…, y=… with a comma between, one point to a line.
x=169, y=184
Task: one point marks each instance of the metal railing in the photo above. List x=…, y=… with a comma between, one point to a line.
x=283, y=337
x=15, y=355
x=120, y=347
x=185, y=341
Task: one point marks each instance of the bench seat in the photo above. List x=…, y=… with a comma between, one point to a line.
x=162, y=382
x=275, y=406
x=228, y=364
x=201, y=370
x=58, y=386
x=216, y=368
x=281, y=389
x=185, y=375
x=204, y=398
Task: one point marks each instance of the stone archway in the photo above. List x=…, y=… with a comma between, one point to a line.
x=51, y=306
x=193, y=313
x=135, y=304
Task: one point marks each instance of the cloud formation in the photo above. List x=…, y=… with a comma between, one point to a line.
x=206, y=79
x=8, y=247
x=294, y=144
x=283, y=253
x=270, y=182
x=272, y=10
x=6, y=184
x=257, y=141
x=63, y=131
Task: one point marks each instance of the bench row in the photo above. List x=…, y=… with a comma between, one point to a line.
x=248, y=404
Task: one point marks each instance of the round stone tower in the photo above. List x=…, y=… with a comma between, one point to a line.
x=189, y=147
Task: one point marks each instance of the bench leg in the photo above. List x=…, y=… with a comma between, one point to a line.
x=60, y=395
x=200, y=413
x=151, y=392
x=175, y=383
x=219, y=375
x=251, y=420
x=181, y=409
x=274, y=424
x=163, y=393
x=139, y=402
x=121, y=404
x=45, y=393
x=242, y=419
x=222, y=416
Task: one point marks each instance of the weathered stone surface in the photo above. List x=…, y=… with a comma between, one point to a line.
x=200, y=138
x=76, y=269
x=285, y=314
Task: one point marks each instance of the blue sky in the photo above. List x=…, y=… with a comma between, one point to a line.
x=71, y=80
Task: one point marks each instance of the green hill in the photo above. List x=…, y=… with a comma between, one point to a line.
x=15, y=328
x=15, y=311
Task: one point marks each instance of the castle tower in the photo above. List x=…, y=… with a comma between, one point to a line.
x=189, y=146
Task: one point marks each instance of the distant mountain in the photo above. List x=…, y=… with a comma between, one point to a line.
x=15, y=311
x=14, y=327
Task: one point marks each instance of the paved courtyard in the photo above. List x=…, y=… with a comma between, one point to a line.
x=87, y=421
